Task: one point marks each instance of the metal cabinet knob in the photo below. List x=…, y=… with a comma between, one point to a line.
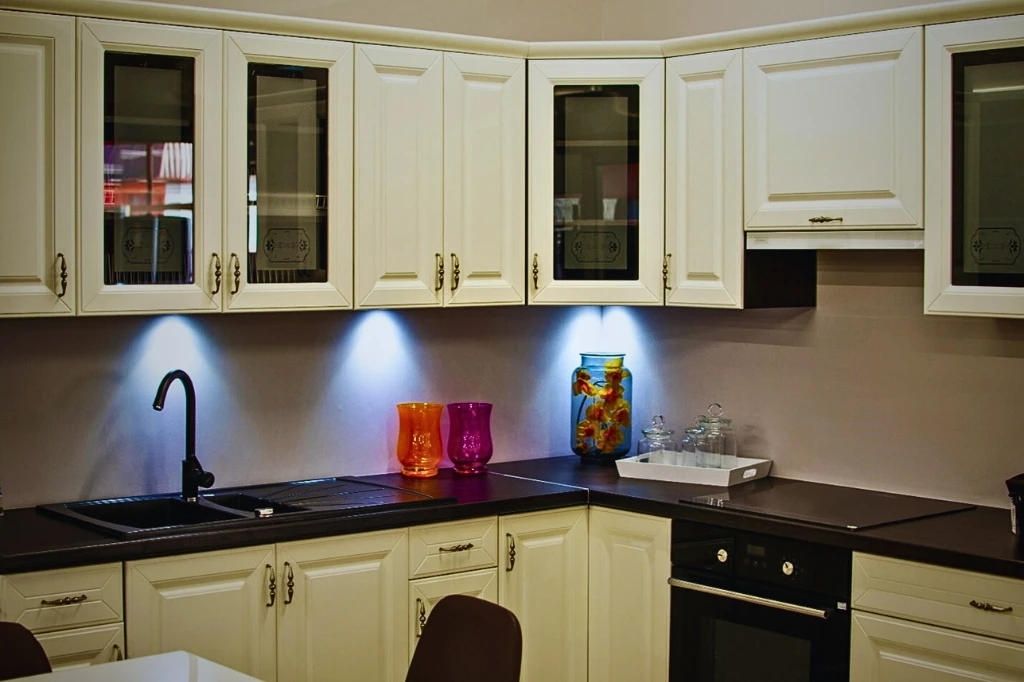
x=723, y=556
x=788, y=568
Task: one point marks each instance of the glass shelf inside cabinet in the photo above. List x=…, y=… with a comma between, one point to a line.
x=149, y=131
x=287, y=141
x=596, y=182
x=988, y=168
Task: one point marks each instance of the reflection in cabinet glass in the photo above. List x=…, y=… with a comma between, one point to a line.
x=287, y=182
x=988, y=145
x=148, y=131
x=596, y=182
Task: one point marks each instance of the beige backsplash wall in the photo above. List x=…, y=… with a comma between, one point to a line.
x=562, y=19
x=863, y=390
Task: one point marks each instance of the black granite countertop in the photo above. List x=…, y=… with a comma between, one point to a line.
x=978, y=539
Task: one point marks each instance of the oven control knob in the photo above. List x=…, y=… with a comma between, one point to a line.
x=723, y=556
x=788, y=568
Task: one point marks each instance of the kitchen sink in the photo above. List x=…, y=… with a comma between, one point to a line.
x=132, y=517
x=250, y=503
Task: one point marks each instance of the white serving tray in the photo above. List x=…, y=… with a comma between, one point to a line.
x=746, y=470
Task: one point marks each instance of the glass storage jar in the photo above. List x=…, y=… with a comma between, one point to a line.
x=716, y=446
x=657, y=445
x=687, y=456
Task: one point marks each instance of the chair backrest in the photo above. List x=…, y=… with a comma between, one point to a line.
x=468, y=640
x=21, y=654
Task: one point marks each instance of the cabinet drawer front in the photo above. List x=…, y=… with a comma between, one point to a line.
x=82, y=647
x=426, y=592
x=90, y=596
x=450, y=547
x=941, y=596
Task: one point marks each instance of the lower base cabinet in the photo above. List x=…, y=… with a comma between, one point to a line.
x=630, y=565
x=83, y=646
x=543, y=579
x=891, y=650
x=426, y=592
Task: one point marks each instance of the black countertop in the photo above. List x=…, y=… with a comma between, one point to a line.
x=978, y=539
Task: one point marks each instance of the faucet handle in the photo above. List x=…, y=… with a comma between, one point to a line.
x=205, y=479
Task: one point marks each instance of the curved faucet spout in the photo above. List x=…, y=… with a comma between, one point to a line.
x=192, y=474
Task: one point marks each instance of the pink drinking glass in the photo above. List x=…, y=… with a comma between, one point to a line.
x=469, y=437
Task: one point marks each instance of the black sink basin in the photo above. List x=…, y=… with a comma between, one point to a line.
x=250, y=503
x=131, y=517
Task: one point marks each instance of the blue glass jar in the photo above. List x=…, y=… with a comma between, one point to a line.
x=601, y=408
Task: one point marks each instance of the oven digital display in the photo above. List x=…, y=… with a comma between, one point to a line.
x=755, y=550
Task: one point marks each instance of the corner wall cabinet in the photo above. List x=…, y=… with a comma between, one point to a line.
x=325, y=609
x=704, y=180
x=596, y=168
x=974, y=141
x=150, y=167
x=288, y=181
x=76, y=613
x=832, y=133
x=629, y=596
x=915, y=621
x=37, y=177
x=543, y=580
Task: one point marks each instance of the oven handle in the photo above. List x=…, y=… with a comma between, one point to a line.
x=751, y=599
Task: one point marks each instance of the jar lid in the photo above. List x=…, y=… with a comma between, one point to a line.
x=714, y=417
x=657, y=428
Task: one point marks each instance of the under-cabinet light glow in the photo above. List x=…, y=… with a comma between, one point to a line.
x=172, y=342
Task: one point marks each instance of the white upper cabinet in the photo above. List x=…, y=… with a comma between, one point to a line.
x=37, y=176
x=288, y=184
x=704, y=180
x=974, y=146
x=596, y=167
x=150, y=168
x=399, y=165
x=484, y=179
x=833, y=133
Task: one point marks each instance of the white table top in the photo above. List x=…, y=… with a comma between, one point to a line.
x=177, y=666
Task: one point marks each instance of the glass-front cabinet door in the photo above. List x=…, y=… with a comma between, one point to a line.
x=974, y=132
x=288, y=236
x=596, y=164
x=150, y=167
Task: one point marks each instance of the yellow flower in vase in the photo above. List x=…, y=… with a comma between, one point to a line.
x=586, y=429
x=611, y=395
x=611, y=437
x=596, y=413
x=581, y=384
x=622, y=416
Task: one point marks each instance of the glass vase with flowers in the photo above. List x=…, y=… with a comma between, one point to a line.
x=602, y=397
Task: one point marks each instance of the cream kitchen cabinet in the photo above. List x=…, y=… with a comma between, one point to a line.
x=37, y=178
x=629, y=596
x=439, y=147
x=832, y=133
x=426, y=592
x=704, y=180
x=974, y=99
x=930, y=623
x=288, y=181
x=324, y=609
x=597, y=173
x=76, y=613
x=150, y=122
x=543, y=580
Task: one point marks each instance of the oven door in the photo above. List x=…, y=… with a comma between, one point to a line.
x=730, y=631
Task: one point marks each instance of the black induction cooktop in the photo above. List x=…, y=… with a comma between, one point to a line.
x=826, y=505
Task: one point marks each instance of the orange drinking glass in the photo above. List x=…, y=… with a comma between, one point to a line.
x=419, y=438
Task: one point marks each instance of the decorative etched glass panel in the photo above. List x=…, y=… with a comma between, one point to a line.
x=596, y=173
x=287, y=174
x=988, y=168
x=148, y=184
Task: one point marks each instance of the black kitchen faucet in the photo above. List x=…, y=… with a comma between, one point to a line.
x=192, y=474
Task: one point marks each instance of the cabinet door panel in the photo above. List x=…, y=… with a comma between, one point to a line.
x=426, y=592
x=37, y=143
x=161, y=195
x=485, y=179
x=399, y=165
x=547, y=590
x=290, y=147
x=213, y=605
x=704, y=174
x=346, y=619
x=80, y=647
x=629, y=596
x=609, y=253
x=890, y=650
x=833, y=130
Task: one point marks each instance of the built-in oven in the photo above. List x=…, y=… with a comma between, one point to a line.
x=749, y=607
